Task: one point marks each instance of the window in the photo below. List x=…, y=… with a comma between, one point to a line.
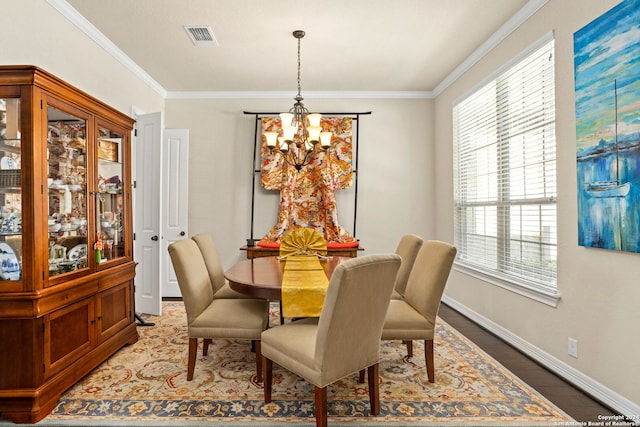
x=505, y=177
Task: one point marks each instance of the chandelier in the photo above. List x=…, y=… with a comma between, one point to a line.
x=301, y=135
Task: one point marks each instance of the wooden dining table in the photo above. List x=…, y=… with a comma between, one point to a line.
x=262, y=277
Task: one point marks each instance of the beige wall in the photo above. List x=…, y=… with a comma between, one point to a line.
x=395, y=164
x=34, y=33
x=600, y=289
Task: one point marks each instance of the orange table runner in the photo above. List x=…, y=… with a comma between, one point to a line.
x=304, y=286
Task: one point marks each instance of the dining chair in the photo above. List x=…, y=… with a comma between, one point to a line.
x=346, y=336
x=221, y=288
x=414, y=317
x=209, y=317
x=408, y=248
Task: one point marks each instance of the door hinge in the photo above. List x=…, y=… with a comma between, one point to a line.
x=135, y=132
x=135, y=184
x=134, y=238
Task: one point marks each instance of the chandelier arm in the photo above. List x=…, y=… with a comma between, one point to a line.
x=306, y=156
x=293, y=153
x=285, y=156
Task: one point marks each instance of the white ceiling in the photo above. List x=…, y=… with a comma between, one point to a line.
x=350, y=45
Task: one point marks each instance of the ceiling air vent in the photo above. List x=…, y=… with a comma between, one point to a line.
x=201, y=35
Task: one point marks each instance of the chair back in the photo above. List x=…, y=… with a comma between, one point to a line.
x=211, y=259
x=429, y=276
x=408, y=248
x=350, y=324
x=193, y=277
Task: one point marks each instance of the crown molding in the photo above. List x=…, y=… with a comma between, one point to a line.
x=94, y=34
x=491, y=43
x=307, y=95
x=90, y=30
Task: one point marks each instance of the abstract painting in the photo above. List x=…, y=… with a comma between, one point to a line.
x=607, y=94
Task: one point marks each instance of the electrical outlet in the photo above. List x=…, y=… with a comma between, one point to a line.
x=573, y=347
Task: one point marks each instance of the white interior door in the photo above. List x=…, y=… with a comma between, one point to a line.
x=147, y=213
x=175, y=170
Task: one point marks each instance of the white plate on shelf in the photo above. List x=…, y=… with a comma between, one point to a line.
x=77, y=252
x=9, y=265
x=8, y=163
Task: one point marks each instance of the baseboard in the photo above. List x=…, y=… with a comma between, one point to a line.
x=587, y=384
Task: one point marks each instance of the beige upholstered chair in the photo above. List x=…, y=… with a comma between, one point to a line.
x=221, y=288
x=346, y=337
x=414, y=317
x=408, y=248
x=209, y=318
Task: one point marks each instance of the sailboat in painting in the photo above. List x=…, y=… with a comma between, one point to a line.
x=613, y=188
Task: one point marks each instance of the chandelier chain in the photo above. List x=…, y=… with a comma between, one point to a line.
x=299, y=67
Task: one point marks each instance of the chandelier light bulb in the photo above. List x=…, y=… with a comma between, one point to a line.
x=314, y=119
x=314, y=133
x=286, y=119
x=272, y=139
x=325, y=139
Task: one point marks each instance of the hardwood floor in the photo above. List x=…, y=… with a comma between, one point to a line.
x=565, y=396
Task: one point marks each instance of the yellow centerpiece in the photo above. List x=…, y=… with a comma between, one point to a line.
x=304, y=282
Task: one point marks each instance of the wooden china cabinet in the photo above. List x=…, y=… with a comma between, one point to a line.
x=66, y=254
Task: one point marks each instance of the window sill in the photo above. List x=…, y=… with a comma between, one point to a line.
x=545, y=297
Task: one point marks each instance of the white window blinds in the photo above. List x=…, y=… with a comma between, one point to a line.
x=505, y=175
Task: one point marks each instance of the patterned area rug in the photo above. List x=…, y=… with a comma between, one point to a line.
x=145, y=384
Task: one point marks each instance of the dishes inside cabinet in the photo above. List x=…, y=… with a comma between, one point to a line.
x=108, y=150
x=77, y=252
x=9, y=264
x=7, y=163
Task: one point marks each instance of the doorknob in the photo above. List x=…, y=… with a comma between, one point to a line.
x=182, y=233
x=154, y=238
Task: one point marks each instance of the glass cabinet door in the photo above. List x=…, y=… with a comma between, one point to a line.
x=10, y=191
x=110, y=219
x=67, y=190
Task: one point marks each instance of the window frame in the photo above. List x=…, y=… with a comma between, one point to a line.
x=546, y=293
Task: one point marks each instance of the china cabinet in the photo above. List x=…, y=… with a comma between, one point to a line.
x=66, y=261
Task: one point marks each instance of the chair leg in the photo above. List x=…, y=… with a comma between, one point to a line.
x=374, y=388
x=409, y=345
x=205, y=346
x=428, y=355
x=320, y=406
x=256, y=343
x=191, y=364
x=361, y=376
x=267, y=367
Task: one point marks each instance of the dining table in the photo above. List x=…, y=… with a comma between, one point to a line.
x=262, y=277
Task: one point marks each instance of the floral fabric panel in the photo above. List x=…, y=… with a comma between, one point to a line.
x=307, y=197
